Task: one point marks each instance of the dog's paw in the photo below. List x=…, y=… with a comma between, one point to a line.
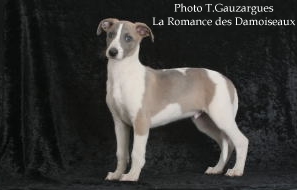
x=234, y=173
x=213, y=171
x=113, y=176
x=129, y=177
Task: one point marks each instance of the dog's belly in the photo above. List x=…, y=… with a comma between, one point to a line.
x=172, y=112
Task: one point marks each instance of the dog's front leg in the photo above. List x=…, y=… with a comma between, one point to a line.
x=141, y=133
x=122, y=132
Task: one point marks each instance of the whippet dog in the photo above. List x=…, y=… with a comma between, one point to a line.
x=141, y=98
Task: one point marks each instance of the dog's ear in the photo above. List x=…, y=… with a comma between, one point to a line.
x=144, y=31
x=106, y=24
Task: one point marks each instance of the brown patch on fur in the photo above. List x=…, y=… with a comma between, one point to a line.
x=141, y=124
x=171, y=86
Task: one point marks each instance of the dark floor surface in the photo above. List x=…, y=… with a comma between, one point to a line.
x=251, y=180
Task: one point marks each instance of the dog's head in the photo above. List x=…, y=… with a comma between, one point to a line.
x=123, y=37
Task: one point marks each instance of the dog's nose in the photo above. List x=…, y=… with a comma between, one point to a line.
x=113, y=52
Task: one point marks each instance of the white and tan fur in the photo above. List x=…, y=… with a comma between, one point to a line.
x=141, y=98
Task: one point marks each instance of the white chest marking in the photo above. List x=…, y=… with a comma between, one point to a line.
x=171, y=112
x=128, y=78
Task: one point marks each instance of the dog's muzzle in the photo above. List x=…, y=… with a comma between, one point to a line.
x=113, y=52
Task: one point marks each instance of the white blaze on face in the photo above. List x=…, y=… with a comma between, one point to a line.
x=116, y=43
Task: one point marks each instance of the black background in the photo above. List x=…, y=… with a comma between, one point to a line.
x=54, y=120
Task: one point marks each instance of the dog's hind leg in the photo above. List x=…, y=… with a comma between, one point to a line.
x=222, y=110
x=207, y=126
x=225, y=121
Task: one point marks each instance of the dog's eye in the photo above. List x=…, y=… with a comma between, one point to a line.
x=111, y=34
x=128, y=38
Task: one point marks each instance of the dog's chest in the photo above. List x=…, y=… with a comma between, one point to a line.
x=125, y=88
